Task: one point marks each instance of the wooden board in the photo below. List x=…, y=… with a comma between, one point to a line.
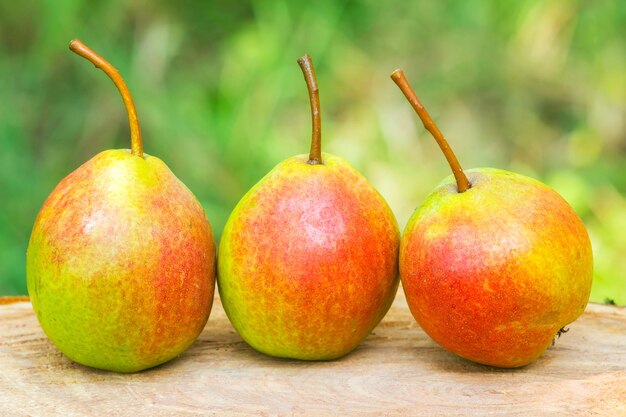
x=398, y=370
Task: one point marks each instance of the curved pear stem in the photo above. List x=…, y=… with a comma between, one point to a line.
x=83, y=50
x=462, y=182
x=306, y=64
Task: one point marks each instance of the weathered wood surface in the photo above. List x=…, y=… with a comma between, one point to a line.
x=398, y=370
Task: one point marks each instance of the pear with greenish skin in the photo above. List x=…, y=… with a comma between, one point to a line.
x=308, y=260
x=493, y=264
x=121, y=259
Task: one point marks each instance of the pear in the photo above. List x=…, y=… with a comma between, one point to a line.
x=494, y=264
x=121, y=259
x=308, y=260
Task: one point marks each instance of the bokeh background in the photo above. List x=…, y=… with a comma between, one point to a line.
x=530, y=86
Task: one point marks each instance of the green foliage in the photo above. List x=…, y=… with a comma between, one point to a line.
x=534, y=87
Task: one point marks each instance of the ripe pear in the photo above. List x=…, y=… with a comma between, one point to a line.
x=121, y=259
x=493, y=264
x=308, y=260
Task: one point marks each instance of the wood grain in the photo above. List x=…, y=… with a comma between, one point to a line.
x=396, y=371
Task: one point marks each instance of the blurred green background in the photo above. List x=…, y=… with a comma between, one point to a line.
x=534, y=87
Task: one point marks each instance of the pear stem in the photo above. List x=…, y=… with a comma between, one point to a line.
x=83, y=50
x=462, y=182
x=306, y=64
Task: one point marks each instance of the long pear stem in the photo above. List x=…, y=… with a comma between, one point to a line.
x=83, y=50
x=306, y=64
x=462, y=182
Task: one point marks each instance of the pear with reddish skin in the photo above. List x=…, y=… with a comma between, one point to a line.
x=307, y=264
x=493, y=268
x=493, y=273
x=121, y=260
